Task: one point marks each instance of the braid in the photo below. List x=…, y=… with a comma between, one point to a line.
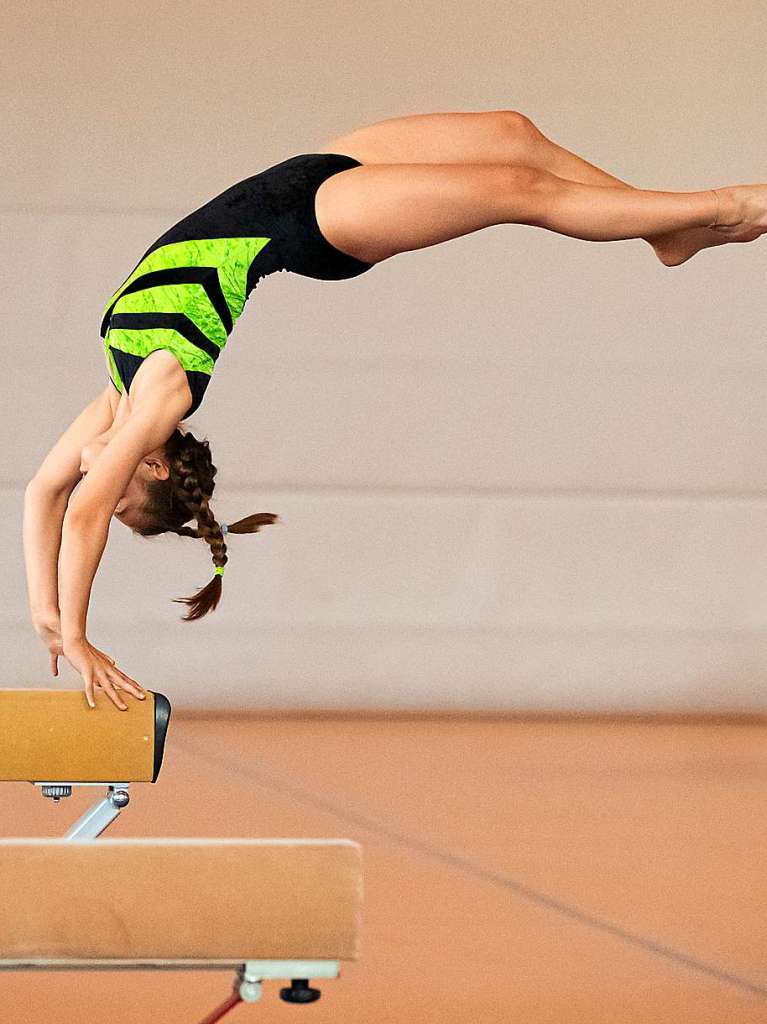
x=190, y=493
x=187, y=531
x=185, y=495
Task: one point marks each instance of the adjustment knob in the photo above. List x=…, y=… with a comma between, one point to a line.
x=56, y=792
x=299, y=992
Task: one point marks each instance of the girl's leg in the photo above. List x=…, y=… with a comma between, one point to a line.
x=377, y=210
x=672, y=248
x=466, y=137
x=500, y=136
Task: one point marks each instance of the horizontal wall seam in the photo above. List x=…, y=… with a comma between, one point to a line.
x=273, y=490
x=448, y=629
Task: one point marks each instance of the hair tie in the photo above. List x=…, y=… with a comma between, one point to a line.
x=219, y=570
x=224, y=528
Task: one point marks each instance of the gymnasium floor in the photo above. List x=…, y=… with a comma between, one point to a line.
x=541, y=872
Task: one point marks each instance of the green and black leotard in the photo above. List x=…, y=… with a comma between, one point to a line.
x=190, y=287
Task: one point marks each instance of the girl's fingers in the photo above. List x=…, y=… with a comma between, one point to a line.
x=89, y=691
x=112, y=694
x=129, y=687
x=54, y=664
x=116, y=679
x=130, y=684
x=110, y=689
x=121, y=686
x=123, y=675
x=127, y=678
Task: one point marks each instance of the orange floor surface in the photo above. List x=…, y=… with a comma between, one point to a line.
x=540, y=872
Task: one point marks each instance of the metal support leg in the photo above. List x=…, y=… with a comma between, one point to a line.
x=97, y=818
x=101, y=815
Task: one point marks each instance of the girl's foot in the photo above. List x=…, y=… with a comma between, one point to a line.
x=741, y=217
x=677, y=247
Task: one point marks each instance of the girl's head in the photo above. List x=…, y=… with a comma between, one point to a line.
x=178, y=481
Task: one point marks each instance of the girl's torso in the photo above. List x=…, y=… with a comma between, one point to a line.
x=189, y=288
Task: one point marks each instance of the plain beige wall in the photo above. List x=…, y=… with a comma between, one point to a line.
x=517, y=470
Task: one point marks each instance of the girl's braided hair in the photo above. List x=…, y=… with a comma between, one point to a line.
x=186, y=495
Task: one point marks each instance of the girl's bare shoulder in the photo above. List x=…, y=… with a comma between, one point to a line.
x=160, y=379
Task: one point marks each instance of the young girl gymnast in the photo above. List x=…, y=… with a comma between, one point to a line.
x=397, y=185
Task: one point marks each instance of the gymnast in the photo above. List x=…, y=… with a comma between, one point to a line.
x=393, y=186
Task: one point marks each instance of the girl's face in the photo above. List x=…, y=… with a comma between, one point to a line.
x=152, y=467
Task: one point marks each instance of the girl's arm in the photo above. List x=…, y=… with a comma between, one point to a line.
x=86, y=527
x=45, y=502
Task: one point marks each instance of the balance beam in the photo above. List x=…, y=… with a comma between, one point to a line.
x=53, y=735
x=53, y=739
x=271, y=908
x=163, y=901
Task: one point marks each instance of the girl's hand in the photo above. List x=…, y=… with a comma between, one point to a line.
x=49, y=631
x=99, y=670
